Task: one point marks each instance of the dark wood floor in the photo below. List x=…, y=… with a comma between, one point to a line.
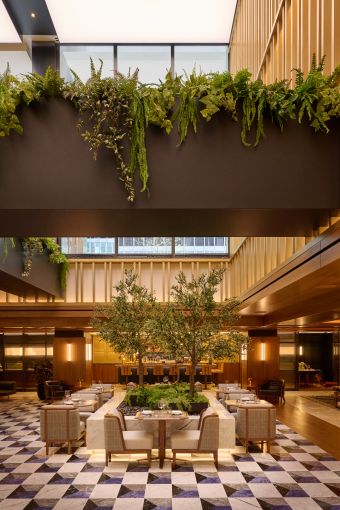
x=318, y=431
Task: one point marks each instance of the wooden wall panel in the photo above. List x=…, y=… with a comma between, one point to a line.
x=261, y=370
x=291, y=32
x=107, y=373
x=69, y=371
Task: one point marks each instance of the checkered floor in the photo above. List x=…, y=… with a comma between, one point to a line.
x=296, y=475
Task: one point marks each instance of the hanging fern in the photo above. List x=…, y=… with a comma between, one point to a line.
x=115, y=112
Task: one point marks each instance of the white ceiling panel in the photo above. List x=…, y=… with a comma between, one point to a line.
x=142, y=21
x=8, y=33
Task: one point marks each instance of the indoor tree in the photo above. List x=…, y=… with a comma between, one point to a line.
x=194, y=325
x=124, y=322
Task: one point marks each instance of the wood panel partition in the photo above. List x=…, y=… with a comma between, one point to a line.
x=69, y=356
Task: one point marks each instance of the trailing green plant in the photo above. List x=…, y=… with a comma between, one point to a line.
x=38, y=245
x=116, y=112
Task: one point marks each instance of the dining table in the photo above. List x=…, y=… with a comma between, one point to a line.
x=162, y=417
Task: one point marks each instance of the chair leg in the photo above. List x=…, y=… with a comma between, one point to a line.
x=246, y=445
x=106, y=458
x=149, y=458
x=216, y=457
x=46, y=449
x=268, y=446
x=173, y=458
x=69, y=447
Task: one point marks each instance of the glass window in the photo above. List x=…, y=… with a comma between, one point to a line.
x=19, y=62
x=205, y=59
x=14, y=351
x=201, y=246
x=144, y=245
x=78, y=57
x=88, y=245
x=153, y=62
x=35, y=350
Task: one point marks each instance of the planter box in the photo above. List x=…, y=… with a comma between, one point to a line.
x=43, y=280
x=211, y=184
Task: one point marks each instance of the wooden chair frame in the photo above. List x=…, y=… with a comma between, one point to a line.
x=262, y=439
x=198, y=449
x=125, y=450
x=68, y=440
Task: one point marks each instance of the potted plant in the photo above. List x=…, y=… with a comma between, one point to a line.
x=43, y=372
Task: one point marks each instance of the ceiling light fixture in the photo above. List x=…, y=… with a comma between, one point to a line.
x=105, y=21
x=33, y=14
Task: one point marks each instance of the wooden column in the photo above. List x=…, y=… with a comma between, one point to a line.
x=263, y=356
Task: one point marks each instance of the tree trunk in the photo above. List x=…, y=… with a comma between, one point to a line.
x=192, y=379
x=140, y=370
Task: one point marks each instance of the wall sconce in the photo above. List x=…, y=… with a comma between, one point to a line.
x=263, y=351
x=300, y=350
x=68, y=351
x=88, y=352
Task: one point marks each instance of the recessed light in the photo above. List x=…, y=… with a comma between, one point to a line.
x=33, y=14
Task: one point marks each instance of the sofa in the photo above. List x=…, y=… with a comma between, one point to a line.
x=7, y=388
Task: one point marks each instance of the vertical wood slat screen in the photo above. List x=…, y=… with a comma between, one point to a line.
x=272, y=37
x=257, y=257
x=92, y=280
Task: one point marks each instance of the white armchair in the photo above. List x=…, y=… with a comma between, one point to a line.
x=60, y=424
x=118, y=440
x=205, y=439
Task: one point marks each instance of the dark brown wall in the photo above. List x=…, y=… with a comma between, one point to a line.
x=50, y=185
x=69, y=371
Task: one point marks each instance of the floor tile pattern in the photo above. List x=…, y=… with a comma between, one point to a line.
x=296, y=475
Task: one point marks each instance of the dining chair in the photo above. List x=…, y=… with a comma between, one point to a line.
x=119, y=440
x=204, y=440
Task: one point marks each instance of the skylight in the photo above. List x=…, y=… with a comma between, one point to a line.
x=8, y=33
x=142, y=21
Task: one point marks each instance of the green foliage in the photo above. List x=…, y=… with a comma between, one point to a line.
x=38, y=245
x=194, y=325
x=115, y=112
x=124, y=323
x=176, y=395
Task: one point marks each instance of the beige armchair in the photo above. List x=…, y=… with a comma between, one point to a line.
x=60, y=424
x=203, y=440
x=118, y=440
x=256, y=424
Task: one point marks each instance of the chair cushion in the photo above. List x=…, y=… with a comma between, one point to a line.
x=185, y=440
x=137, y=440
x=82, y=427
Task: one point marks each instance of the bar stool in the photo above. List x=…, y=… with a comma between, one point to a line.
x=205, y=372
x=158, y=372
x=126, y=371
x=172, y=373
x=216, y=371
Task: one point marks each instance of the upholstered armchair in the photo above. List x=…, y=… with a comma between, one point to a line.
x=256, y=424
x=54, y=389
x=204, y=440
x=91, y=408
x=60, y=424
x=273, y=390
x=118, y=440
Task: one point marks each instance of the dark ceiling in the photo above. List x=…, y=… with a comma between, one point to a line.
x=20, y=13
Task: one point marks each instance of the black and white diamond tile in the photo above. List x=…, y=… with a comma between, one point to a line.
x=297, y=475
